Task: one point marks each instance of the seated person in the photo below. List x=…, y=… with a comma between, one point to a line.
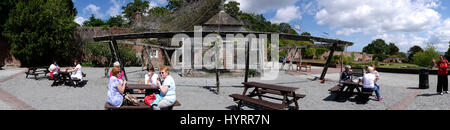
x=369, y=80
x=167, y=90
x=150, y=79
x=115, y=89
x=54, y=69
x=117, y=64
x=346, y=75
x=76, y=72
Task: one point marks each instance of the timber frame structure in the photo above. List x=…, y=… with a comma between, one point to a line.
x=333, y=43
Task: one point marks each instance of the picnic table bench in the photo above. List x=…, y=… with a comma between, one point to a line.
x=141, y=105
x=260, y=89
x=356, y=85
x=305, y=65
x=36, y=71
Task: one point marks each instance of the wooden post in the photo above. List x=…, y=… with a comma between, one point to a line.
x=330, y=56
x=292, y=59
x=117, y=55
x=247, y=60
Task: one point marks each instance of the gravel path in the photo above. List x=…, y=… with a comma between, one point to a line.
x=399, y=92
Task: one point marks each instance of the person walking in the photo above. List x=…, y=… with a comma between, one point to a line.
x=442, y=65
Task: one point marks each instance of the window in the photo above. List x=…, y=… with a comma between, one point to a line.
x=154, y=53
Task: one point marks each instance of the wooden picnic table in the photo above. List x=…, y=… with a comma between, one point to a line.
x=260, y=89
x=36, y=70
x=140, y=86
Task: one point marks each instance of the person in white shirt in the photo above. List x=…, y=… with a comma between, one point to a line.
x=54, y=69
x=369, y=80
x=167, y=89
x=151, y=79
x=76, y=72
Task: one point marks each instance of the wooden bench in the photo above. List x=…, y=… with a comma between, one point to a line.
x=140, y=106
x=36, y=71
x=297, y=96
x=357, y=72
x=336, y=88
x=261, y=89
x=263, y=103
x=306, y=65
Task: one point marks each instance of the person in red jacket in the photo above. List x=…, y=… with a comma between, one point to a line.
x=442, y=66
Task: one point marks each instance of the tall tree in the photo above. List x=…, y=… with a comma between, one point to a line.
x=42, y=30
x=413, y=50
x=232, y=8
x=447, y=54
x=5, y=7
x=377, y=46
x=93, y=22
x=393, y=49
x=173, y=5
x=425, y=58
x=131, y=8
x=115, y=21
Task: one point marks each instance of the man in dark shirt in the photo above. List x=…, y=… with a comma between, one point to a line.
x=346, y=75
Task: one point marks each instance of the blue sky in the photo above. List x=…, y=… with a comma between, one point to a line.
x=403, y=22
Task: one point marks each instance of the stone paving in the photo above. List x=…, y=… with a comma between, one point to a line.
x=399, y=92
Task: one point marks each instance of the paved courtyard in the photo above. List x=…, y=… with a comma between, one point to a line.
x=399, y=91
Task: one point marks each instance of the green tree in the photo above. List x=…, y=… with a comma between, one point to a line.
x=42, y=30
x=116, y=21
x=129, y=11
x=93, y=22
x=447, y=54
x=173, y=5
x=5, y=7
x=413, y=50
x=424, y=58
x=286, y=28
x=306, y=33
x=377, y=46
x=393, y=49
x=158, y=11
x=232, y=8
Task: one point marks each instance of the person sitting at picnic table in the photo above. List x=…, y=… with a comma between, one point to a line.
x=167, y=89
x=76, y=72
x=377, y=75
x=346, y=75
x=150, y=78
x=115, y=89
x=369, y=80
x=117, y=64
x=54, y=69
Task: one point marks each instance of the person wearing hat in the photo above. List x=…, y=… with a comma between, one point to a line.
x=346, y=75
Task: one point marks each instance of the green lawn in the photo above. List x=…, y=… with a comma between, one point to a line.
x=397, y=65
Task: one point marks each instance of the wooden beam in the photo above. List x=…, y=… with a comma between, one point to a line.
x=168, y=58
x=117, y=55
x=222, y=33
x=330, y=56
x=247, y=60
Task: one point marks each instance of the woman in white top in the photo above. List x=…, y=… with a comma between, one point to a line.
x=151, y=79
x=76, y=72
x=369, y=80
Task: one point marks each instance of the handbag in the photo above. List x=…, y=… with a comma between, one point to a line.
x=149, y=99
x=130, y=100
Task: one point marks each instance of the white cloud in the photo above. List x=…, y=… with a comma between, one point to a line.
x=261, y=6
x=378, y=16
x=80, y=20
x=115, y=9
x=93, y=9
x=286, y=15
x=403, y=41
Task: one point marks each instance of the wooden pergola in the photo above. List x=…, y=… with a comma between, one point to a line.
x=333, y=43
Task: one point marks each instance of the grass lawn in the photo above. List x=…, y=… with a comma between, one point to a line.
x=397, y=65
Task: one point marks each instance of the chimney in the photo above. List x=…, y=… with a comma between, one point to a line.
x=137, y=16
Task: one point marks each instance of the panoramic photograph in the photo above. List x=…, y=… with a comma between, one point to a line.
x=224, y=55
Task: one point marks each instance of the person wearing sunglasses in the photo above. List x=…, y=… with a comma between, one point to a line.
x=167, y=90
